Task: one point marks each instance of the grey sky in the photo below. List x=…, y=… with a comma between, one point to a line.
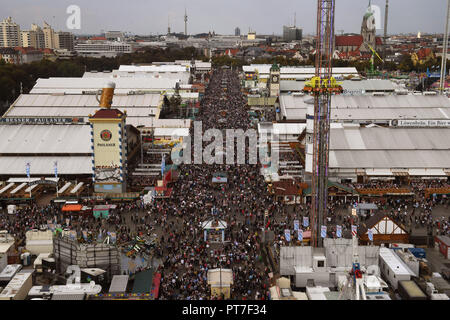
x=263, y=16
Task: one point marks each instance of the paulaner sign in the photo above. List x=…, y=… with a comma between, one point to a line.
x=419, y=123
x=40, y=120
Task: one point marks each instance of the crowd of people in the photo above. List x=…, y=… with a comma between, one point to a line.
x=240, y=202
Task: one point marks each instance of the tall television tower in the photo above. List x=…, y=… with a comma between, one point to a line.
x=386, y=13
x=185, y=22
x=168, y=24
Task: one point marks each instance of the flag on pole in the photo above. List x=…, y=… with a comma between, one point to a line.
x=323, y=231
x=339, y=231
x=287, y=235
x=56, y=169
x=370, y=234
x=27, y=169
x=354, y=230
x=300, y=235
x=296, y=225
x=305, y=221
x=163, y=165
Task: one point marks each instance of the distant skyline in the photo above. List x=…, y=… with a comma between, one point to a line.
x=145, y=17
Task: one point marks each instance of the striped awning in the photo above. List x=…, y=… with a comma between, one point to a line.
x=400, y=173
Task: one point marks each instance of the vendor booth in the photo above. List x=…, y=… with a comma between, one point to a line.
x=72, y=208
x=214, y=230
x=220, y=177
x=102, y=211
x=366, y=209
x=220, y=281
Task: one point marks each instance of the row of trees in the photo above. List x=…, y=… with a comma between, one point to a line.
x=17, y=78
x=404, y=65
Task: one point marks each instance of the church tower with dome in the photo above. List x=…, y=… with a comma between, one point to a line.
x=368, y=30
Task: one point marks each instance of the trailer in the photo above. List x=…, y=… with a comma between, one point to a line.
x=18, y=287
x=8, y=273
x=393, y=268
x=409, y=290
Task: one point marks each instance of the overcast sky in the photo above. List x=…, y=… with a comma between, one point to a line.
x=262, y=16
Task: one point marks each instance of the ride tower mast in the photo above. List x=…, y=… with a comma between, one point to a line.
x=324, y=85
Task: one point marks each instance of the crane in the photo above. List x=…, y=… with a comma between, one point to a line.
x=324, y=86
x=372, y=59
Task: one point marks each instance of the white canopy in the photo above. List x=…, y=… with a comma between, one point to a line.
x=208, y=225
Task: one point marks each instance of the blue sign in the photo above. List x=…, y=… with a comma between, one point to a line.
x=296, y=224
x=305, y=221
x=339, y=231
x=27, y=169
x=323, y=231
x=370, y=234
x=300, y=235
x=287, y=235
x=56, y=169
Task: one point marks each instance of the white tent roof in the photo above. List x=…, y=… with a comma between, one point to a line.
x=78, y=85
x=86, y=100
x=365, y=107
x=32, y=139
x=265, y=69
x=152, y=68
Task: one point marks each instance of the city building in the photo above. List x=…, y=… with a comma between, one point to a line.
x=49, y=37
x=292, y=33
x=10, y=33
x=237, y=31
x=251, y=36
x=34, y=37
x=114, y=35
x=64, y=40
x=107, y=49
x=29, y=54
